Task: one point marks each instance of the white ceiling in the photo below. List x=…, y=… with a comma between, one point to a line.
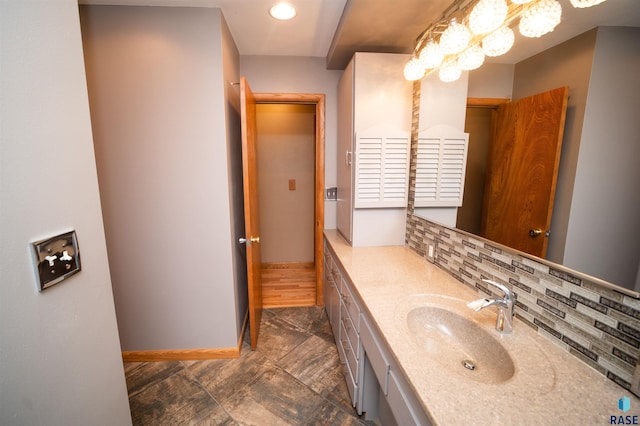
x=336, y=28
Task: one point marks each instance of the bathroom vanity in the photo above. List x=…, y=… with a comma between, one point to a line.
x=412, y=352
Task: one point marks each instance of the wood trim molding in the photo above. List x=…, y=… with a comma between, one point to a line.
x=180, y=355
x=486, y=102
x=317, y=99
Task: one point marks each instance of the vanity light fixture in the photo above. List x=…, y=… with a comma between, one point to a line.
x=283, y=11
x=470, y=29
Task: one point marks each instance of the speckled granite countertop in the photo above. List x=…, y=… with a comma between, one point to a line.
x=550, y=386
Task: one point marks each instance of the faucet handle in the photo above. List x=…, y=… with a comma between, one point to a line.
x=507, y=293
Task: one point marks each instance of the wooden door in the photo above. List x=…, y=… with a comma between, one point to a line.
x=522, y=169
x=251, y=212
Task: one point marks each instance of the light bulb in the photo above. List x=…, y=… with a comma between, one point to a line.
x=449, y=71
x=487, y=15
x=540, y=18
x=471, y=58
x=498, y=42
x=455, y=38
x=431, y=56
x=413, y=70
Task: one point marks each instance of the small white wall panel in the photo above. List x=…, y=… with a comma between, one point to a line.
x=382, y=169
x=441, y=164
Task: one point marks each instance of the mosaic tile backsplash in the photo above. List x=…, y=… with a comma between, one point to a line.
x=597, y=325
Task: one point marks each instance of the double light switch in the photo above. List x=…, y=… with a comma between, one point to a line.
x=56, y=258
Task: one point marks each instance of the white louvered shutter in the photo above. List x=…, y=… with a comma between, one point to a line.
x=441, y=167
x=382, y=168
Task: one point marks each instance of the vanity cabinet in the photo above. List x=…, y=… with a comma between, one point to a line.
x=390, y=382
x=374, y=124
x=332, y=279
x=375, y=382
x=343, y=312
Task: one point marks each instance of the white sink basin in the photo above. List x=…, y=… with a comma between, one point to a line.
x=459, y=344
x=448, y=340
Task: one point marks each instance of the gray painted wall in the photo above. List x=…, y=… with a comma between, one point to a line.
x=606, y=196
x=166, y=147
x=60, y=360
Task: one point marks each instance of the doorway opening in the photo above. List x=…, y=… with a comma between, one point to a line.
x=478, y=124
x=290, y=140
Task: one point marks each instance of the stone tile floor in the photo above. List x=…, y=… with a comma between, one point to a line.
x=292, y=378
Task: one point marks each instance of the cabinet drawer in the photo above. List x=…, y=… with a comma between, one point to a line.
x=337, y=278
x=351, y=304
x=347, y=371
x=349, y=331
x=376, y=355
x=350, y=353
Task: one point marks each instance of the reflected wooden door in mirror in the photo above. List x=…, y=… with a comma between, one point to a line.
x=522, y=169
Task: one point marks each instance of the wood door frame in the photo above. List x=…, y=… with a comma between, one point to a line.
x=486, y=102
x=319, y=101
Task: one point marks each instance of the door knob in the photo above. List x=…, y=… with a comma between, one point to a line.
x=535, y=232
x=249, y=241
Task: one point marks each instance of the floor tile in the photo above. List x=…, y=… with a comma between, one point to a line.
x=176, y=400
x=276, y=398
x=222, y=377
x=340, y=397
x=328, y=414
x=315, y=363
x=145, y=374
x=277, y=338
x=312, y=319
x=293, y=378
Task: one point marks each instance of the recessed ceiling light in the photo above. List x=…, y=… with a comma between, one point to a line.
x=283, y=11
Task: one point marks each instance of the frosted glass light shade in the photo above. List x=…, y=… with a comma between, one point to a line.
x=413, y=70
x=471, y=58
x=449, y=71
x=585, y=3
x=455, y=38
x=498, y=42
x=431, y=56
x=540, y=18
x=487, y=15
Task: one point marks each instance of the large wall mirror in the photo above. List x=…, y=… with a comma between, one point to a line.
x=595, y=223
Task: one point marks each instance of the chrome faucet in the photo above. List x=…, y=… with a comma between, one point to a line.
x=506, y=306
